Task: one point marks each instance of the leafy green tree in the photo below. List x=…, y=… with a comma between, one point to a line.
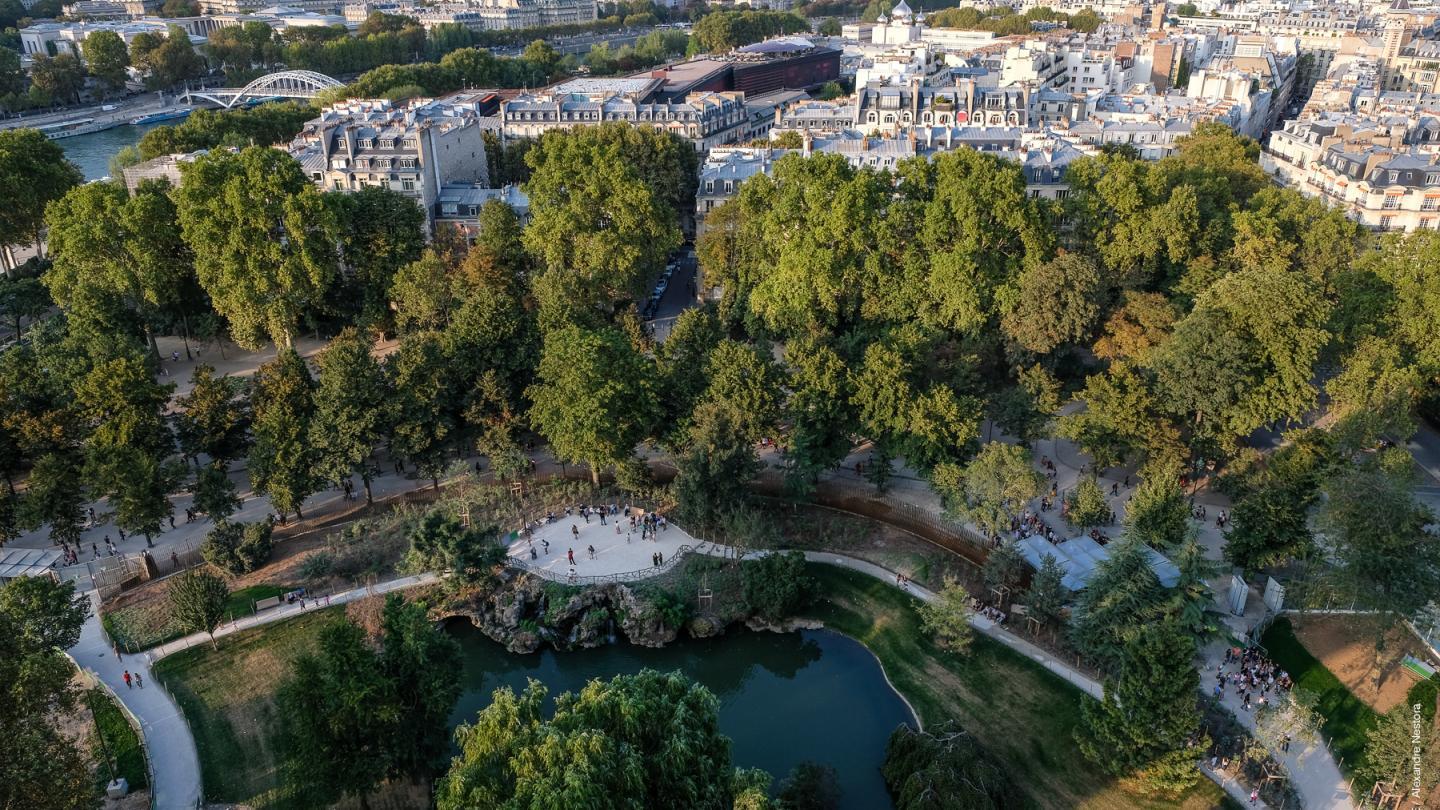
x=424, y=667
x=441, y=541
x=107, y=57
x=1374, y=395
x=1004, y=567
x=717, y=465
x=594, y=400
x=238, y=548
x=197, y=601
x=282, y=460
x=492, y=348
x=213, y=419
x=743, y=378
x=1397, y=748
x=682, y=361
x=337, y=709
x=263, y=240
x=34, y=172
x=423, y=294
x=1267, y=528
x=40, y=766
x=928, y=424
x=1393, y=562
x=1150, y=712
x=352, y=410
x=1047, y=595
x=1056, y=303
x=1123, y=419
x=776, y=586
x=1087, y=505
x=425, y=406
x=55, y=494
x=380, y=231
x=215, y=492
x=22, y=298
x=819, y=410
x=1191, y=603
x=1122, y=596
x=597, y=227
x=946, y=620
x=59, y=77
x=1245, y=356
x=1158, y=513
x=636, y=740
x=810, y=786
x=355, y=715
x=129, y=440
x=170, y=61
x=992, y=488
x=943, y=768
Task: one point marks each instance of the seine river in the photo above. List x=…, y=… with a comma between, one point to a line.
x=92, y=152
x=784, y=697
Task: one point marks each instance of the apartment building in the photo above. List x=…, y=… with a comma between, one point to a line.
x=414, y=147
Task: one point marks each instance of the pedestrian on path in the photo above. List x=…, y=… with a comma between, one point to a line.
x=592, y=551
x=570, y=553
x=127, y=679
x=139, y=681
x=575, y=531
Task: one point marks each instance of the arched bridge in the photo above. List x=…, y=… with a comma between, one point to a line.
x=285, y=84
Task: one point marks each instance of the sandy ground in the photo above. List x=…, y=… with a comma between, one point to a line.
x=1346, y=645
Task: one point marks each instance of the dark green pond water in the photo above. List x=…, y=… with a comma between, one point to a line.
x=784, y=697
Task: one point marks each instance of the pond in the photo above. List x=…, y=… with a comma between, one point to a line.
x=784, y=697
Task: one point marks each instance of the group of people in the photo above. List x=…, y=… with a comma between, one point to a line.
x=1253, y=675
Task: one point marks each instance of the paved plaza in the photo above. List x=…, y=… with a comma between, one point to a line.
x=618, y=547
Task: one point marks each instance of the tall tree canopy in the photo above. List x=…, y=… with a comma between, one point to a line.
x=263, y=238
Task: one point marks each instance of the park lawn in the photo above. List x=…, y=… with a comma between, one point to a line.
x=120, y=740
x=1347, y=718
x=242, y=602
x=150, y=623
x=1022, y=712
x=229, y=700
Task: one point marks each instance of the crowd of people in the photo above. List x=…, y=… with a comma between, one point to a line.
x=1253, y=675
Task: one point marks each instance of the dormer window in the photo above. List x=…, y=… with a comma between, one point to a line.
x=366, y=143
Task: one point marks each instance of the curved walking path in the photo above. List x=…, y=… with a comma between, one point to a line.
x=169, y=745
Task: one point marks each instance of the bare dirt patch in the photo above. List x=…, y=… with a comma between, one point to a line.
x=1346, y=645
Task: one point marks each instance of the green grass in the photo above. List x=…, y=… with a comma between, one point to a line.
x=1347, y=718
x=242, y=601
x=150, y=624
x=121, y=740
x=228, y=697
x=1018, y=709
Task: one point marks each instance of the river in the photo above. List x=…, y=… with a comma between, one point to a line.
x=784, y=697
x=92, y=152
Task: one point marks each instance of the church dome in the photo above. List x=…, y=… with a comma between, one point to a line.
x=901, y=10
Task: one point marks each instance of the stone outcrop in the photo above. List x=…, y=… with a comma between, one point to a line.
x=522, y=613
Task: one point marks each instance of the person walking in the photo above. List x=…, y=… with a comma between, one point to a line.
x=591, y=549
x=575, y=531
x=570, y=554
x=127, y=679
x=139, y=681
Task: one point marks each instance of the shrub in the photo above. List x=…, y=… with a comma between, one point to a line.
x=776, y=585
x=317, y=566
x=238, y=548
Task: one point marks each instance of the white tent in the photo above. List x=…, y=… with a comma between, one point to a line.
x=1079, y=556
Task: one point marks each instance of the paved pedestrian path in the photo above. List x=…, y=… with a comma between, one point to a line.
x=174, y=763
x=619, y=549
x=1313, y=771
